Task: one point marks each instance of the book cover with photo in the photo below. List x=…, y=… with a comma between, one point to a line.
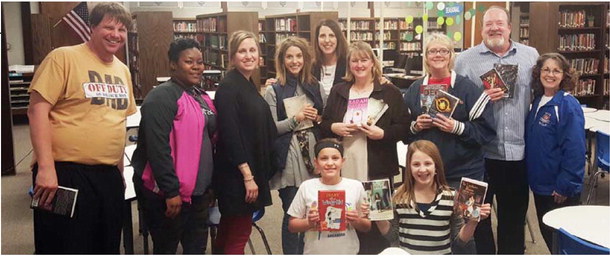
x=492, y=79
x=469, y=198
x=379, y=196
x=427, y=93
x=376, y=108
x=357, y=112
x=331, y=207
x=508, y=73
x=444, y=103
x=293, y=106
x=63, y=203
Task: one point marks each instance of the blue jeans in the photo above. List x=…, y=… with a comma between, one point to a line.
x=292, y=243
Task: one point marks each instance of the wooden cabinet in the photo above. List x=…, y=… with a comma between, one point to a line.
x=148, y=43
x=214, y=31
x=279, y=27
x=579, y=31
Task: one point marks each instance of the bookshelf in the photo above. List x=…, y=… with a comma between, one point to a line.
x=262, y=41
x=18, y=88
x=524, y=28
x=185, y=28
x=148, y=43
x=579, y=31
x=213, y=32
x=398, y=35
x=279, y=27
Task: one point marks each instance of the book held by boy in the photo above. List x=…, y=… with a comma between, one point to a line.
x=63, y=203
x=331, y=207
x=379, y=196
x=444, y=103
x=293, y=106
x=469, y=198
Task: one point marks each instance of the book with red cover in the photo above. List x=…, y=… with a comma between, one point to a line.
x=331, y=207
x=427, y=93
x=492, y=79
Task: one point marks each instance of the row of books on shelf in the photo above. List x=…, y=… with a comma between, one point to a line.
x=387, y=45
x=409, y=36
x=386, y=35
x=585, y=66
x=577, y=42
x=525, y=41
x=606, y=87
x=354, y=36
x=212, y=25
x=286, y=24
x=260, y=26
x=215, y=41
x=433, y=24
x=573, y=19
x=410, y=46
x=404, y=25
x=387, y=24
x=585, y=87
x=525, y=21
x=191, y=36
x=524, y=32
x=262, y=38
x=183, y=26
x=280, y=37
x=215, y=58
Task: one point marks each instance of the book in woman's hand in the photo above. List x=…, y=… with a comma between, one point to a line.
x=63, y=203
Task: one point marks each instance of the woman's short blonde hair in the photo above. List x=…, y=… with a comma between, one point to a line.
x=360, y=49
x=236, y=39
x=443, y=40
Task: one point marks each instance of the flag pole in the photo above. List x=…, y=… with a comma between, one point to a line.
x=57, y=23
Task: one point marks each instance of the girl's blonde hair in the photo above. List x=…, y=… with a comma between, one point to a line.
x=405, y=193
x=236, y=39
x=443, y=40
x=305, y=76
x=360, y=49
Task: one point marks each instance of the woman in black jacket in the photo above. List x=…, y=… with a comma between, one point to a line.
x=370, y=143
x=244, y=151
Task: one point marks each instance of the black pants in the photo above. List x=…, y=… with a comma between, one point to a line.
x=98, y=217
x=508, y=182
x=546, y=204
x=189, y=228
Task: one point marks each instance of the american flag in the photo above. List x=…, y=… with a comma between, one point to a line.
x=78, y=20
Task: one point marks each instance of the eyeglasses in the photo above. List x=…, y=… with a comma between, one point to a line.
x=547, y=71
x=442, y=52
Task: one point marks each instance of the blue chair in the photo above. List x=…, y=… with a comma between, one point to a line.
x=214, y=221
x=602, y=161
x=569, y=244
x=255, y=217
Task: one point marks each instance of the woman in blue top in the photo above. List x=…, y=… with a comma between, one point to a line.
x=554, y=139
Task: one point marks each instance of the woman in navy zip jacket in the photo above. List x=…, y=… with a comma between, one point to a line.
x=554, y=139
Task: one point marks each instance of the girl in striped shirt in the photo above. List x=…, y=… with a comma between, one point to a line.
x=424, y=221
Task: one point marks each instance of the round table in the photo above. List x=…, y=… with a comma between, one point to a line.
x=589, y=222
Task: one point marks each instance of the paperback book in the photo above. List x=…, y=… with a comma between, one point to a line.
x=508, y=73
x=379, y=196
x=469, y=198
x=63, y=203
x=356, y=111
x=293, y=105
x=492, y=79
x=444, y=103
x=427, y=93
x=331, y=207
x=376, y=108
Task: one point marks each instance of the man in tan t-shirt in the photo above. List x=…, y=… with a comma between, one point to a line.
x=80, y=98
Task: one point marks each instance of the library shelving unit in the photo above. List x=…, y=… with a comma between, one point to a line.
x=524, y=28
x=148, y=43
x=18, y=88
x=214, y=31
x=279, y=27
x=578, y=31
x=185, y=28
x=606, y=65
x=361, y=29
x=398, y=35
x=262, y=41
x=410, y=41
